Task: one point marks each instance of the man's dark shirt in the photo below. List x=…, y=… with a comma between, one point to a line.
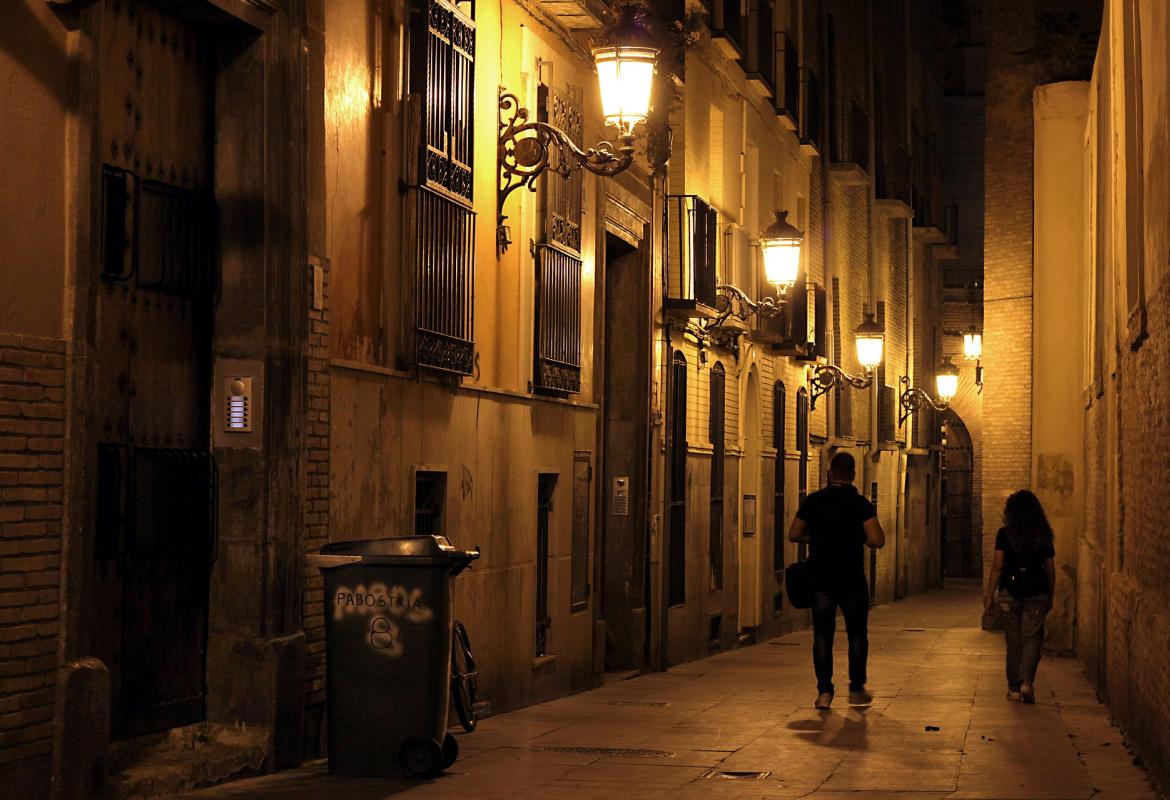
x=835, y=517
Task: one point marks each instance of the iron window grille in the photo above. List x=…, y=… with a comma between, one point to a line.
x=692, y=245
x=563, y=196
x=558, y=320
x=440, y=221
x=677, y=560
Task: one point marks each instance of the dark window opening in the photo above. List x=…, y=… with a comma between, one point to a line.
x=579, y=568
x=430, y=502
x=802, y=447
x=718, y=464
x=715, y=632
x=546, y=483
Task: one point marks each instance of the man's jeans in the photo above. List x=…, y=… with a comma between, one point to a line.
x=854, y=605
x=1023, y=628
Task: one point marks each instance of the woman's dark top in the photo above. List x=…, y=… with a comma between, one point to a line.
x=1034, y=559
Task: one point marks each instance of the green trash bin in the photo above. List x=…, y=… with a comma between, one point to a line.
x=388, y=617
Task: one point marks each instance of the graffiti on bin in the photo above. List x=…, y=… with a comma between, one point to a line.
x=383, y=605
x=380, y=601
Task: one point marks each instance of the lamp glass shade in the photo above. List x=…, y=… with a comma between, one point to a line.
x=973, y=346
x=781, y=261
x=626, y=77
x=946, y=381
x=869, y=338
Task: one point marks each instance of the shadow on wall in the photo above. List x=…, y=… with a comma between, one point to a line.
x=26, y=38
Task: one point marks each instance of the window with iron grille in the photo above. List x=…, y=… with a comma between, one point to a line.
x=546, y=484
x=558, y=263
x=760, y=66
x=440, y=222
x=779, y=429
x=558, y=320
x=718, y=464
x=692, y=242
x=729, y=24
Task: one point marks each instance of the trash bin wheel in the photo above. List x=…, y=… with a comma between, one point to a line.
x=450, y=750
x=421, y=757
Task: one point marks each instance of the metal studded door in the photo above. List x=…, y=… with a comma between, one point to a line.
x=158, y=257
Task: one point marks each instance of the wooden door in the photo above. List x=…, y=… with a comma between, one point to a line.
x=154, y=527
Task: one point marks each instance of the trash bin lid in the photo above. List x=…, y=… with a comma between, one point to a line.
x=420, y=550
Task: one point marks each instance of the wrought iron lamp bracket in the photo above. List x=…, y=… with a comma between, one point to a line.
x=913, y=399
x=527, y=148
x=824, y=377
x=731, y=301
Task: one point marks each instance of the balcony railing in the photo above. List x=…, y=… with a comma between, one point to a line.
x=444, y=282
x=729, y=25
x=809, y=118
x=787, y=96
x=850, y=143
x=894, y=175
x=692, y=244
x=760, y=66
x=558, y=320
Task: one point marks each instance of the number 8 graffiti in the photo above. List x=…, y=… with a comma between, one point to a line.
x=384, y=636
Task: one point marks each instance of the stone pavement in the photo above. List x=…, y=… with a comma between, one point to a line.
x=940, y=727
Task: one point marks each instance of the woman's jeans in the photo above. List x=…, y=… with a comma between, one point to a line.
x=1023, y=628
x=854, y=603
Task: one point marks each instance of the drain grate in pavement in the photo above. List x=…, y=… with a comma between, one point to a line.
x=737, y=775
x=640, y=703
x=620, y=752
x=774, y=643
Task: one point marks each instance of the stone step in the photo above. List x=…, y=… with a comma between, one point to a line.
x=186, y=758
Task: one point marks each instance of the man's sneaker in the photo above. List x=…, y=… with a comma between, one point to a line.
x=1013, y=695
x=1027, y=692
x=860, y=697
x=824, y=700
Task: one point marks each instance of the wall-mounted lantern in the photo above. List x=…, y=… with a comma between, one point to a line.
x=946, y=381
x=973, y=351
x=625, y=63
x=780, y=245
x=869, y=339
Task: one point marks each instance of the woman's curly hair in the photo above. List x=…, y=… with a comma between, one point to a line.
x=1027, y=526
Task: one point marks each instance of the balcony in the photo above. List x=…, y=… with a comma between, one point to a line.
x=893, y=183
x=692, y=244
x=760, y=66
x=788, y=81
x=849, y=143
x=809, y=118
x=729, y=27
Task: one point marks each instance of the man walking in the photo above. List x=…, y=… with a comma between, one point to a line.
x=836, y=522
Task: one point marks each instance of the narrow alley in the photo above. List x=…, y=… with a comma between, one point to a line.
x=742, y=724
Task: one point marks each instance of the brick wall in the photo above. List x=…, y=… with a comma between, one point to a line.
x=32, y=380
x=317, y=494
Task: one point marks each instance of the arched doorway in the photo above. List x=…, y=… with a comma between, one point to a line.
x=960, y=539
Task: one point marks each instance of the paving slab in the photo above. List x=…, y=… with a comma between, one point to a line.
x=741, y=725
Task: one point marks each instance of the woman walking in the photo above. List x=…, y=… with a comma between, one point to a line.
x=1024, y=574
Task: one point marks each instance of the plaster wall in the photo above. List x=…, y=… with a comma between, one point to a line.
x=1057, y=368
x=35, y=92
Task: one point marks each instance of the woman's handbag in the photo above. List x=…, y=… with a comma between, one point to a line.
x=798, y=584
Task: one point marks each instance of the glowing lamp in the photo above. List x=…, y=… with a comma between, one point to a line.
x=946, y=381
x=780, y=246
x=973, y=346
x=626, y=76
x=869, y=339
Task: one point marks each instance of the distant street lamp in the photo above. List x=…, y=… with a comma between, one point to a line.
x=973, y=345
x=869, y=340
x=625, y=75
x=946, y=381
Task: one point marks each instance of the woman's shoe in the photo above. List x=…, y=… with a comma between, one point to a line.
x=1027, y=692
x=824, y=700
x=1013, y=695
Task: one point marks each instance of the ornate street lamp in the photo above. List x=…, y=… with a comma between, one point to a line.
x=780, y=246
x=946, y=382
x=869, y=339
x=625, y=63
x=972, y=345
